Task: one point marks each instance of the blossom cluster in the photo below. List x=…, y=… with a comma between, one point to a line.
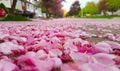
x=58, y=46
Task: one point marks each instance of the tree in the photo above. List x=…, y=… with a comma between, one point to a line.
x=91, y=8
x=109, y=5
x=52, y=7
x=13, y=7
x=75, y=8
x=102, y=6
x=113, y=5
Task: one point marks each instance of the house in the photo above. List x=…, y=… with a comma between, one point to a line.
x=25, y=5
x=114, y=13
x=117, y=12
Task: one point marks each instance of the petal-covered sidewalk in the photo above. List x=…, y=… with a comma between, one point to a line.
x=60, y=45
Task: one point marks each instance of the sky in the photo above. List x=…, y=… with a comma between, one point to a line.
x=68, y=3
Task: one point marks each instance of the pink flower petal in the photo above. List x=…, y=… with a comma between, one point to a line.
x=7, y=66
x=6, y=47
x=105, y=59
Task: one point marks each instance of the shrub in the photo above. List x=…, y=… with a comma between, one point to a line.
x=15, y=18
x=67, y=15
x=4, y=7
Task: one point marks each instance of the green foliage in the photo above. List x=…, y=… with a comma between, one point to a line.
x=15, y=18
x=91, y=8
x=67, y=15
x=1, y=18
x=109, y=5
x=102, y=17
x=79, y=14
x=4, y=7
x=113, y=5
x=42, y=7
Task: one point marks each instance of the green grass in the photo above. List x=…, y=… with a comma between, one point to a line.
x=108, y=17
x=1, y=18
x=15, y=18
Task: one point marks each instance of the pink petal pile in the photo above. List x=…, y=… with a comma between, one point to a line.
x=57, y=45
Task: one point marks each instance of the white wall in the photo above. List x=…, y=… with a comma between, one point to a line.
x=19, y=5
x=117, y=12
x=38, y=12
x=30, y=7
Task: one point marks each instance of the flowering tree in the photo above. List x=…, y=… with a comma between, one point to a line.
x=75, y=8
x=102, y=6
x=52, y=7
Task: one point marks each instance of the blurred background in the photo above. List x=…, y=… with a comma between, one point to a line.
x=59, y=9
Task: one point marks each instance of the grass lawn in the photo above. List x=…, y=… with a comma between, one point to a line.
x=109, y=17
x=1, y=18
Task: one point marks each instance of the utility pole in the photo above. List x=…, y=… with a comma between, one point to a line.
x=81, y=13
x=81, y=9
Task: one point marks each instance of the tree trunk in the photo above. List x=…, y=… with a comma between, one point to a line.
x=12, y=10
x=47, y=14
x=112, y=13
x=104, y=12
